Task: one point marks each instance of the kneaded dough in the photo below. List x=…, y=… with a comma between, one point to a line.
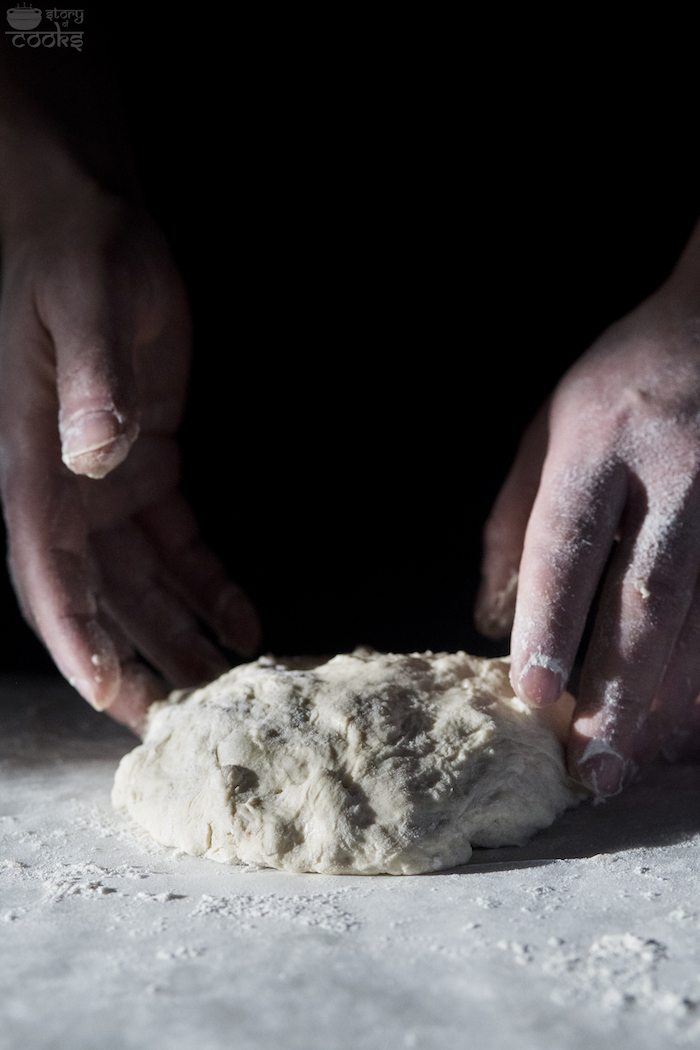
x=362, y=764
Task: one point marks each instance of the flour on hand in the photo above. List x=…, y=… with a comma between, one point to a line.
x=362, y=764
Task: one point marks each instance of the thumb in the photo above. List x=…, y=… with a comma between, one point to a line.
x=504, y=533
x=93, y=326
x=95, y=437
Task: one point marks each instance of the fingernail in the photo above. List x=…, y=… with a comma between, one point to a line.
x=88, y=692
x=541, y=682
x=603, y=772
x=96, y=442
x=98, y=684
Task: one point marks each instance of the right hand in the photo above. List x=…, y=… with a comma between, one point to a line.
x=606, y=489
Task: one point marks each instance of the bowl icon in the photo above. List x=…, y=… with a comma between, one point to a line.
x=24, y=17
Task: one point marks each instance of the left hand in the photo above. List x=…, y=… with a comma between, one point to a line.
x=607, y=484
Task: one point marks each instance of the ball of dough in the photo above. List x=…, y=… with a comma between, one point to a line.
x=362, y=764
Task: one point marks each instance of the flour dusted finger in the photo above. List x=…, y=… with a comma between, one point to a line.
x=504, y=533
x=48, y=558
x=645, y=603
x=669, y=724
x=570, y=533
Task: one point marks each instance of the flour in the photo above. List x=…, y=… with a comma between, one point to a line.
x=525, y=950
x=323, y=910
x=362, y=764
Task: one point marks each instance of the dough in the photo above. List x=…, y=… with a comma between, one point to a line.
x=360, y=764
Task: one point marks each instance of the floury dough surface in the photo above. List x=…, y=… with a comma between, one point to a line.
x=363, y=764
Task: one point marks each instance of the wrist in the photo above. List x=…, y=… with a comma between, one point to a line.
x=38, y=180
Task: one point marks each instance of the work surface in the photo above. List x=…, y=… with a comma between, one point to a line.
x=589, y=936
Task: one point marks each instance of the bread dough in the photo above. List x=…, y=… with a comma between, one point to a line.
x=361, y=764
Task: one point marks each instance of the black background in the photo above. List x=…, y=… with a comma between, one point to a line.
x=395, y=238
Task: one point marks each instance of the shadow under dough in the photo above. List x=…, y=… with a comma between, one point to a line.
x=660, y=809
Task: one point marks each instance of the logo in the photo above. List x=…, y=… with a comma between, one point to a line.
x=25, y=21
x=24, y=17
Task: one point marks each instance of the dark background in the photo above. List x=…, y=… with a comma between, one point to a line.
x=395, y=241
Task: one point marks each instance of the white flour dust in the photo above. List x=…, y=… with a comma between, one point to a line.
x=586, y=938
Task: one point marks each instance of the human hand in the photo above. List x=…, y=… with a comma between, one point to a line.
x=606, y=484
x=104, y=552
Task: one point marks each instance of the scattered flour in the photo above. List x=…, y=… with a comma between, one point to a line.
x=547, y=954
x=318, y=909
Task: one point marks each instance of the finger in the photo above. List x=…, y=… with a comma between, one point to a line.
x=139, y=688
x=155, y=621
x=667, y=728
x=47, y=557
x=200, y=575
x=89, y=310
x=645, y=602
x=568, y=540
x=47, y=548
x=504, y=533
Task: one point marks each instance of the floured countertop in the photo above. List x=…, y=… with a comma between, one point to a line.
x=587, y=937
